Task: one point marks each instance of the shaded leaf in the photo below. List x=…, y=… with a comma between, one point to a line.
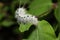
x=7, y=23
x=57, y=15
x=1, y=15
x=58, y=37
x=16, y=31
x=57, y=12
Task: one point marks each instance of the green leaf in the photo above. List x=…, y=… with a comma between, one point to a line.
x=38, y=7
x=58, y=37
x=24, y=27
x=1, y=15
x=46, y=27
x=5, y=9
x=57, y=11
x=43, y=31
x=13, y=6
x=57, y=14
x=7, y=23
x=23, y=1
x=16, y=31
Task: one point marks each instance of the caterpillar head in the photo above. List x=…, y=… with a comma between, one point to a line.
x=20, y=11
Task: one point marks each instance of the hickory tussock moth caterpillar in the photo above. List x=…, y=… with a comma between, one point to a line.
x=22, y=16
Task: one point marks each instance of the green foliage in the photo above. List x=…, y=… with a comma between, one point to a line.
x=12, y=6
x=24, y=27
x=7, y=23
x=57, y=13
x=23, y=1
x=43, y=31
x=46, y=27
x=1, y=15
x=58, y=37
x=38, y=7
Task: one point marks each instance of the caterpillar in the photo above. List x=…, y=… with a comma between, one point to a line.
x=23, y=17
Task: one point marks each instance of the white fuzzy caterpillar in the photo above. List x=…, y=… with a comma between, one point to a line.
x=22, y=17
